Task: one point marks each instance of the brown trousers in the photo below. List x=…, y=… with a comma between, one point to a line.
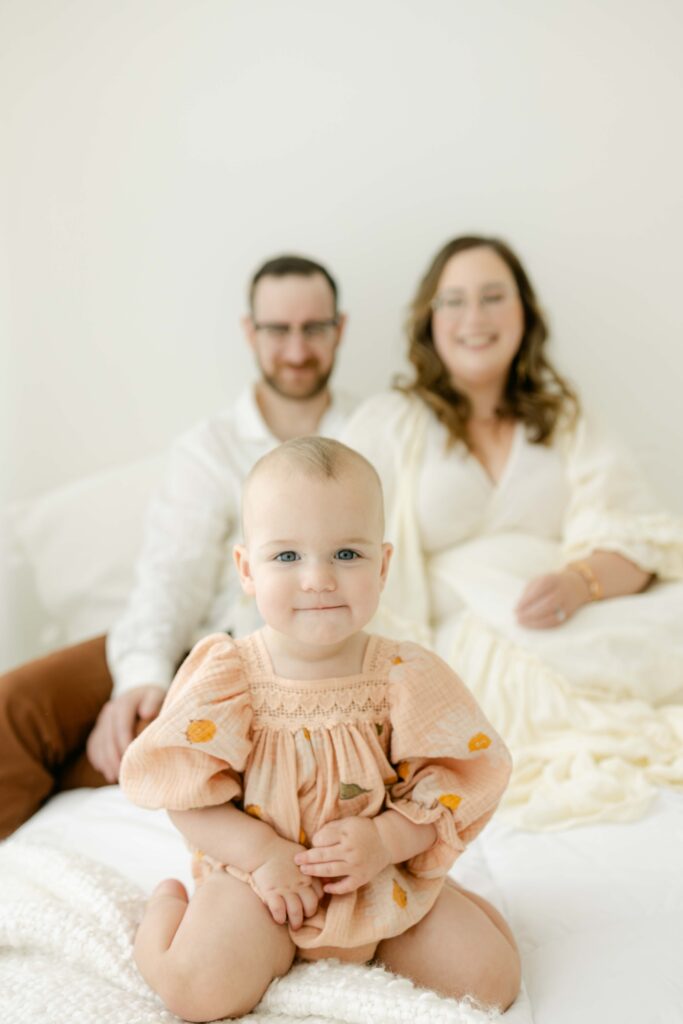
x=48, y=708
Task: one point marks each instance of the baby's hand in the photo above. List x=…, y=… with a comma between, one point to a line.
x=350, y=849
x=288, y=894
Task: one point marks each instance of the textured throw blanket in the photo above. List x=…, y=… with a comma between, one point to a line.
x=66, y=932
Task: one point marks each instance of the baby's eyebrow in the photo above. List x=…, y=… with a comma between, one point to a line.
x=289, y=543
x=277, y=545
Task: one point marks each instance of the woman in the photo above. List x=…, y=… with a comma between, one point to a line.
x=520, y=536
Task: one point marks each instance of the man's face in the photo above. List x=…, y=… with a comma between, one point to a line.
x=294, y=331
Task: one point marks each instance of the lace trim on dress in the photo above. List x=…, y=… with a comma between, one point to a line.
x=280, y=707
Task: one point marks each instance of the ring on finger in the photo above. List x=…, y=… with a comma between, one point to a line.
x=560, y=614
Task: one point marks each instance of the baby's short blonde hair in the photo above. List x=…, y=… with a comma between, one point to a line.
x=321, y=458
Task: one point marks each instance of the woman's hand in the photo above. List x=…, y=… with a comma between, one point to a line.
x=288, y=894
x=551, y=599
x=347, y=853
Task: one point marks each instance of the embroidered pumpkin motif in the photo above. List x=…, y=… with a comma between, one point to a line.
x=450, y=800
x=479, y=742
x=201, y=730
x=253, y=809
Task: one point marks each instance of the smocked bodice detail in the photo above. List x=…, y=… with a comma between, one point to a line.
x=279, y=703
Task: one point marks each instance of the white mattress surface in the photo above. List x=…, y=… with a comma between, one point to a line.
x=597, y=910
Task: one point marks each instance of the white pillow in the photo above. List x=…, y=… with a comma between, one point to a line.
x=81, y=542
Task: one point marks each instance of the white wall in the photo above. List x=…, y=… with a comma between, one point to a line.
x=155, y=151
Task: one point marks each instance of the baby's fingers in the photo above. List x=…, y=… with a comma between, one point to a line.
x=277, y=907
x=327, y=869
x=295, y=910
x=318, y=855
x=310, y=899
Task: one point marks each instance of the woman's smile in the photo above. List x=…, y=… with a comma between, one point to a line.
x=477, y=340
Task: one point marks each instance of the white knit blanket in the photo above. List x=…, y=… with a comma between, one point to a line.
x=66, y=931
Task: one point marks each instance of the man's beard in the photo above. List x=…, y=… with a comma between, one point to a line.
x=300, y=394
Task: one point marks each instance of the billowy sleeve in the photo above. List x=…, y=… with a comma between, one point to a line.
x=194, y=753
x=452, y=767
x=612, y=508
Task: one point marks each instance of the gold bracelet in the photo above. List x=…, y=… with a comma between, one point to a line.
x=590, y=579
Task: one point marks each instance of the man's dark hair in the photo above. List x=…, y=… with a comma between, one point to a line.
x=281, y=266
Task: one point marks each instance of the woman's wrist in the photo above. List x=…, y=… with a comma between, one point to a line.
x=578, y=590
x=592, y=585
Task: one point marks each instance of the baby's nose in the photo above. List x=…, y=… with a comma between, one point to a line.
x=319, y=576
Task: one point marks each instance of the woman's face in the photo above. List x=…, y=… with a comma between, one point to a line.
x=478, y=320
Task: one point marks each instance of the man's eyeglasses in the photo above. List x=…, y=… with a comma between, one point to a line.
x=315, y=331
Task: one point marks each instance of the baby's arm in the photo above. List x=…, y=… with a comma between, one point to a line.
x=354, y=850
x=233, y=837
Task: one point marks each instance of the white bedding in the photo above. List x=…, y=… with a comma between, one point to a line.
x=597, y=911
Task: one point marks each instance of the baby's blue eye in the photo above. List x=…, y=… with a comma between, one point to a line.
x=347, y=555
x=286, y=556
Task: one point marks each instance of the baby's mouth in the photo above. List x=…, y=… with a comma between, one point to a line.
x=321, y=608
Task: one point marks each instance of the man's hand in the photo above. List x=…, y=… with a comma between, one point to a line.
x=288, y=894
x=550, y=600
x=116, y=724
x=350, y=850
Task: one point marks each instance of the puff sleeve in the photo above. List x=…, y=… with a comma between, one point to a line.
x=193, y=754
x=612, y=508
x=452, y=766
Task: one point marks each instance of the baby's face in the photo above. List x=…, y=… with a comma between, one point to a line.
x=313, y=555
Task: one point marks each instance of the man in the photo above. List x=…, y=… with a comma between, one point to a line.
x=185, y=585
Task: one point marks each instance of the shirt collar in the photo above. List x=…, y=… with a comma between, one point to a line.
x=254, y=427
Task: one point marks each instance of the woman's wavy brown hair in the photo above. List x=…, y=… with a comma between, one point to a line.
x=534, y=393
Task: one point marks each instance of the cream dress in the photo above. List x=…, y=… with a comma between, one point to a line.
x=404, y=733
x=591, y=710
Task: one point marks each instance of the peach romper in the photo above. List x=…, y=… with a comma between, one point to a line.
x=404, y=733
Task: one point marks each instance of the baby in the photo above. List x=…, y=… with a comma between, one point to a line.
x=326, y=779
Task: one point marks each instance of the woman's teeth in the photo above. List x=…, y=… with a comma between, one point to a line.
x=477, y=340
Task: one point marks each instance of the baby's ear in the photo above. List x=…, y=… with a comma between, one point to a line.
x=387, y=552
x=241, y=557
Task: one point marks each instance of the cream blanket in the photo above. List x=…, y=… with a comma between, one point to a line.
x=66, y=931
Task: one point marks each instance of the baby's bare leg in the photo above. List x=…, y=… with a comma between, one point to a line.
x=461, y=947
x=215, y=955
